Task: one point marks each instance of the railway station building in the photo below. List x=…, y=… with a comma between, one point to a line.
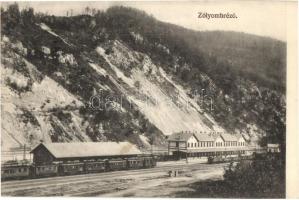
x=193, y=144
x=63, y=152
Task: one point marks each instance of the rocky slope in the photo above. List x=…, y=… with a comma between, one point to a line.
x=100, y=78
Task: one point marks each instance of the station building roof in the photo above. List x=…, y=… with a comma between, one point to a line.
x=185, y=135
x=180, y=136
x=229, y=137
x=89, y=149
x=203, y=136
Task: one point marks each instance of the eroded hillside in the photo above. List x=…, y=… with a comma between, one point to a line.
x=54, y=71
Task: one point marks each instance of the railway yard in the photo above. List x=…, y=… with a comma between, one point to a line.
x=153, y=182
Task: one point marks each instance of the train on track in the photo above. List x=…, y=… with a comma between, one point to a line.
x=223, y=159
x=26, y=170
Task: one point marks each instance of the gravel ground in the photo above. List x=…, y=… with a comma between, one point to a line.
x=153, y=182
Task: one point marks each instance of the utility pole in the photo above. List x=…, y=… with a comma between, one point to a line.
x=168, y=147
x=186, y=152
x=24, y=152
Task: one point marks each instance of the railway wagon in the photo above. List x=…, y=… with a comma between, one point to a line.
x=149, y=162
x=45, y=170
x=71, y=168
x=116, y=164
x=95, y=166
x=220, y=159
x=135, y=163
x=15, y=171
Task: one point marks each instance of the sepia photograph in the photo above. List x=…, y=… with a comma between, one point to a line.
x=156, y=99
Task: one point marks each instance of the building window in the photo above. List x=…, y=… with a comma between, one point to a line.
x=191, y=144
x=188, y=144
x=177, y=144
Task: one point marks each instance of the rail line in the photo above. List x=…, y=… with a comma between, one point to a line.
x=12, y=186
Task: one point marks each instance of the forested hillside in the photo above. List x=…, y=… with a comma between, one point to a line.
x=51, y=67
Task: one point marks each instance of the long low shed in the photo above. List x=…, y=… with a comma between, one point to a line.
x=50, y=152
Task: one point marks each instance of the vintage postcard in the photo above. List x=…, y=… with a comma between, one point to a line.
x=168, y=99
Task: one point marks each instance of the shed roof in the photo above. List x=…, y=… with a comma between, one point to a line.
x=229, y=137
x=90, y=149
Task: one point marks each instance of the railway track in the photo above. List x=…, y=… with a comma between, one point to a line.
x=11, y=187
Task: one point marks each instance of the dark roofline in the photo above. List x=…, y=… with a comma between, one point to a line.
x=222, y=137
x=32, y=151
x=41, y=145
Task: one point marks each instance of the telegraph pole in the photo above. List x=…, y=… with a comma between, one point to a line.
x=24, y=152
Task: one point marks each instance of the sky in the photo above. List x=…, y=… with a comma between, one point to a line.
x=264, y=18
